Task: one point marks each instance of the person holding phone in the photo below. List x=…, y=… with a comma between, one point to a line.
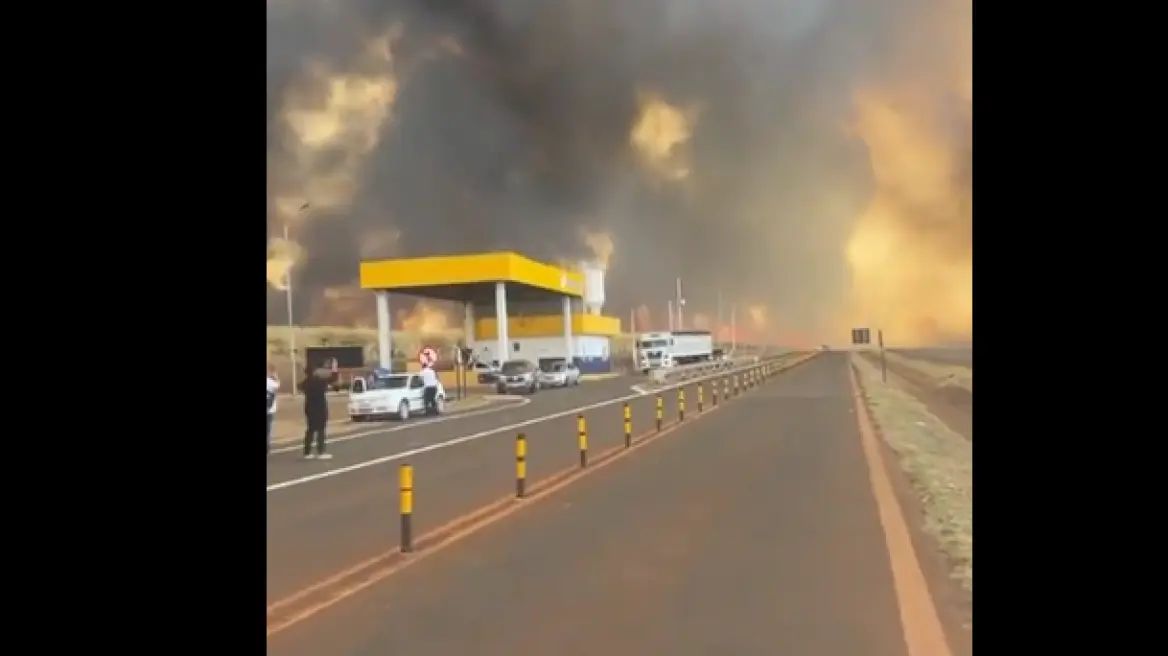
x=273, y=390
x=316, y=414
x=429, y=389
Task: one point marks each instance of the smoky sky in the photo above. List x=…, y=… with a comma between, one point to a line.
x=523, y=139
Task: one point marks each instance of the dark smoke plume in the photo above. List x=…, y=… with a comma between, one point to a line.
x=507, y=123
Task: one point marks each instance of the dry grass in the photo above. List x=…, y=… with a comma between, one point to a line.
x=938, y=462
x=942, y=374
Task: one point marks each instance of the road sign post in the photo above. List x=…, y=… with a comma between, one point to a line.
x=861, y=336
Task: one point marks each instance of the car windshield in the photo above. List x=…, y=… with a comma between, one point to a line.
x=654, y=343
x=516, y=367
x=389, y=382
x=559, y=367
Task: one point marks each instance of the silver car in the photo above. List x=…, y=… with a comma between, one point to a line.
x=560, y=374
x=517, y=376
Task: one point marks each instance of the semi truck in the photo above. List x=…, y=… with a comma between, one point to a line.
x=668, y=349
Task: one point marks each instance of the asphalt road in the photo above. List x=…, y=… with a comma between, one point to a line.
x=751, y=531
x=320, y=526
x=958, y=355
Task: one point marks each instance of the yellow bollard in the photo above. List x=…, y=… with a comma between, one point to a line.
x=582, y=436
x=520, y=466
x=700, y=394
x=406, y=503
x=660, y=412
x=681, y=404
x=628, y=426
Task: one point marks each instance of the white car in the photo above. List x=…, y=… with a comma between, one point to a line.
x=560, y=375
x=397, y=395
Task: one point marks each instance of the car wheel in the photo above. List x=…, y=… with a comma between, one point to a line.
x=499, y=389
x=356, y=418
x=403, y=411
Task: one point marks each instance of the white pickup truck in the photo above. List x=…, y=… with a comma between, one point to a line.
x=384, y=394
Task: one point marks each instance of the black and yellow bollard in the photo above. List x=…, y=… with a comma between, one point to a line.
x=582, y=439
x=726, y=388
x=735, y=384
x=628, y=425
x=681, y=404
x=406, y=495
x=520, y=466
x=700, y=395
x=660, y=412
x=714, y=392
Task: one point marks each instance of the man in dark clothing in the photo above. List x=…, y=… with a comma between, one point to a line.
x=316, y=414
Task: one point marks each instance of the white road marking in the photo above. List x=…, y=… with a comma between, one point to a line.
x=283, y=485
x=512, y=403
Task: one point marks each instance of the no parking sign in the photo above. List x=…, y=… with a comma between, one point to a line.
x=428, y=357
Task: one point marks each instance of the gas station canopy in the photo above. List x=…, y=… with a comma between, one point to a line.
x=475, y=280
x=472, y=278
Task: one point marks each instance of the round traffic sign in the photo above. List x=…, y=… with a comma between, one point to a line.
x=428, y=357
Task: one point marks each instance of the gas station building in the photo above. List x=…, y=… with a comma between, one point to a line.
x=514, y=307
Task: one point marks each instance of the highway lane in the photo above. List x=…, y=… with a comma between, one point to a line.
x=752, y=531
x=962, y=356
x=345, y=519
x=393, y=436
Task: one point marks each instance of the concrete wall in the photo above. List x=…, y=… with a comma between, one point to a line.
x=593, y=354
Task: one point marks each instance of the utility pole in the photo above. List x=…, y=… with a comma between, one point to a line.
x=718, y=318
x=680, y=304
x=291, y=322
x=733, y=328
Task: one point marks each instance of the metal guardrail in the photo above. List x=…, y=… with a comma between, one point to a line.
x=700, y=369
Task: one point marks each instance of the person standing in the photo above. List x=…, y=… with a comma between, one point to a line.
x=273, y=389
x=429, y=389
x=316, y=414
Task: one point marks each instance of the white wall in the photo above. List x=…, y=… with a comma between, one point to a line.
x=535, y=348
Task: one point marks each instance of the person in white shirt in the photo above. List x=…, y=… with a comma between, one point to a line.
x=430, y=390
x=273, y=389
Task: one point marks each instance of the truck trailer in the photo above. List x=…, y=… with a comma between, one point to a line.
x=668, y=349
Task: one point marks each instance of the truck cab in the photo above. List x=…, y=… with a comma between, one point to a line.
x=654, y=351
x=384, y=394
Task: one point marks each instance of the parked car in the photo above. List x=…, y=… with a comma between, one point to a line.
x=560, y=374
x=487, y=373
x=518, y=376
x=395, y=395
